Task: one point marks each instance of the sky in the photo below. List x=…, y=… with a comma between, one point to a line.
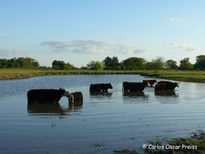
x=80, y=31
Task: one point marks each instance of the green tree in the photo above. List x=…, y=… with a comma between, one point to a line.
x=58, y=65
x=26, y=62
x=21, y=62
x=200, y=63
x=134, y=63
x=171, y=64
x=61, y=65
x=156, y=64
x=96, y=65
x=185, y=64
x=112, y=63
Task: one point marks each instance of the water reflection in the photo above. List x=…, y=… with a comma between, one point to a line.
x=52, y=109
x=134, y=94
x=166, y=93
x=101, y=93
x=135, y=97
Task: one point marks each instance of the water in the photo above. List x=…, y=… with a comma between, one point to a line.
x=102, y=124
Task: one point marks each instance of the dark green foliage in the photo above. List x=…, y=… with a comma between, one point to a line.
x=20, y=62
x=109, y=63
x=112, y=63
x=133, y=63
x=61, y=65
x=96, y=65
x=171, y=64
x=200, y=63
x=156, y=64
x=185, y=64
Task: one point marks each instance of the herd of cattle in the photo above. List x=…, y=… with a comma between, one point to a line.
x=52, y=96
x=136, y=86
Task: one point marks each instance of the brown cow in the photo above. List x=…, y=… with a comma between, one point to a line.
x=134, y=86
x=100, y=87
x=166, y=85
x=150, y=82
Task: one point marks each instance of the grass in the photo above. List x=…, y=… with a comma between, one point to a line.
x=187, y=76
x=193, y=144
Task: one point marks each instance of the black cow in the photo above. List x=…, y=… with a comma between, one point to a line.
x=134, y=86
x=47, y=96
x=166, y=85
x=150, y=82
x=101, y=87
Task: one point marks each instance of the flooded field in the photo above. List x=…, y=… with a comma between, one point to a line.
x=103, y=124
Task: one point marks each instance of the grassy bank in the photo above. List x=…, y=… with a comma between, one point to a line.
x=194, y=144
x=189, y=76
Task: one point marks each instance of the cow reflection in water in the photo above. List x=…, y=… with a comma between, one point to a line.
x=101, y=93
x=51, y=109
x=166, y=93
x=135, y=94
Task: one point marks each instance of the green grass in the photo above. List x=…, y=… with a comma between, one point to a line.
x=188, y=76
x=193, y=144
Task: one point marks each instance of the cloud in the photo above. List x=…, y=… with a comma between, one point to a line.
x=8, y=53
x=172, y=19
x=184, y=47
x=93, y=46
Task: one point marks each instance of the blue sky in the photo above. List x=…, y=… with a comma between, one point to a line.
x=79, y=31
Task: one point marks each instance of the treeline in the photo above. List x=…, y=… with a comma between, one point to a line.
x=136, y=63
x=20, y=62
x=110, y=63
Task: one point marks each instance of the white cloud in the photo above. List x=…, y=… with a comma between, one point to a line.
x=172, y=19
x=93, y=46
x=8, y=53
x=184, y=47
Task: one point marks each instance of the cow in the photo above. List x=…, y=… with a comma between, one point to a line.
x=134, y=86
x=47, y=96
x=100, y=87
x=150, y=82
x=166, y=85
x=75, y=99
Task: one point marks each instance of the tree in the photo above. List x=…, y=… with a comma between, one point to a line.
x=156, y=64
x=200, y=62
x=21, y=62
x=96, y=65
x=171, y=64
x=185, y=64
x=61, y=65
x=112, y=63
x=27, y=62
x=134, y=63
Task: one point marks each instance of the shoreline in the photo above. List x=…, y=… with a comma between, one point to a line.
x=177, y=75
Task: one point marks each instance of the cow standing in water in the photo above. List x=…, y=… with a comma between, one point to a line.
x=100, y=87
x=166, y=85
x=48, y=96
x=134, y=86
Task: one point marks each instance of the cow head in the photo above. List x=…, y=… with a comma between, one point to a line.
x=109, y=85
x=65, y=92
x=177, y=84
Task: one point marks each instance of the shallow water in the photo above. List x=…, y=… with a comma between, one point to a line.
x=104, y=122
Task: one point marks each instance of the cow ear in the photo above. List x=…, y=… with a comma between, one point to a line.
x=60, y=88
